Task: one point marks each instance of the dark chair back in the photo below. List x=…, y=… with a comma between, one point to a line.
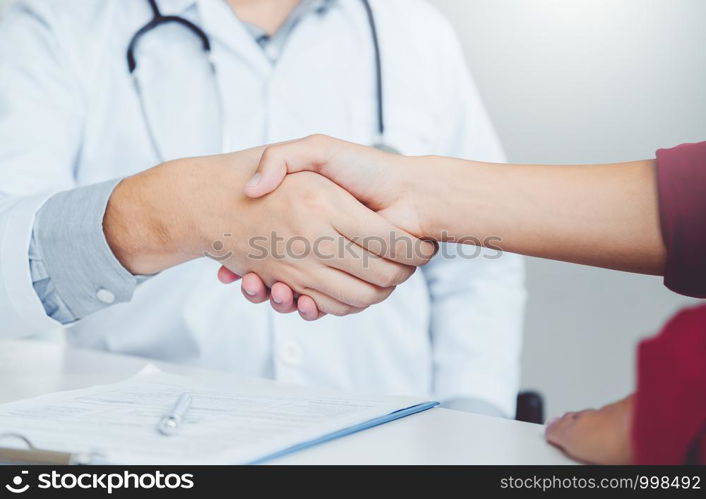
x=530, y=407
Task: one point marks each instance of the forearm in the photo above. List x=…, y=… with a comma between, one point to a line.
x=171, y=214
x=141, y=232
x=602, y=215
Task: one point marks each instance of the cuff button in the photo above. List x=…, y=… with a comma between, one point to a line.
x=105, y=296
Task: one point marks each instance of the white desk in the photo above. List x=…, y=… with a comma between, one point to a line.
x=438, y=436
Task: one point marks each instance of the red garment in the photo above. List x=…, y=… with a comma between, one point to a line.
x=669, y=425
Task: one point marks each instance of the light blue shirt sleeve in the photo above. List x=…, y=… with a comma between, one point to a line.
x=74, y=271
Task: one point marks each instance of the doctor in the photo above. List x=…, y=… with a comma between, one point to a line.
x=77, y=116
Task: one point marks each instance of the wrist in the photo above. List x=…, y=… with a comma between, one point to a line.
x=178, y=211
x=444, y=191
x=428, y=185
x=145, y=225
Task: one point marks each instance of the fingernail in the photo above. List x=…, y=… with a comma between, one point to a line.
x=552, y=422
x=254, y=180
x=250, y=292
x=277, y=300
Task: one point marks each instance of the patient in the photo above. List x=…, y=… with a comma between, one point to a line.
x=643, y=216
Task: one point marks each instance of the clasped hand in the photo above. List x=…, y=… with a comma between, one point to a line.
x=372, y=177
x=339, y=255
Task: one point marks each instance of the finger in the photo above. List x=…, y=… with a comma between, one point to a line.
x=254, y=289
x=226, y=276
x=559, y=431
x=553, y=432
x=371, y=231
x=308, y=309
x=326, y=304
x=282, y=298
x=345, y=289
x=358, y=262
x=310, y=153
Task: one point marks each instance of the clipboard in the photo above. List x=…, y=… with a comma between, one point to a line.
x=34, y=456
x=321, y=416
x=393, y=416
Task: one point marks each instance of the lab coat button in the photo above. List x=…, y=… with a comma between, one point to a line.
x=291, y=354
x=105, y=296
x=272, y=52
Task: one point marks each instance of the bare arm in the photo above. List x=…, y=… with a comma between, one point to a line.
x=186, y=209
x=600, y=215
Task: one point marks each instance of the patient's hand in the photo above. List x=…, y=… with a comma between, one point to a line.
x=386, y=183
x=600, y=436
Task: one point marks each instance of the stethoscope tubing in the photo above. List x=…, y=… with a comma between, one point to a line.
x=158, y=19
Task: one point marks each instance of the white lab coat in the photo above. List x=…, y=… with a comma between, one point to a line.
x=69, y=116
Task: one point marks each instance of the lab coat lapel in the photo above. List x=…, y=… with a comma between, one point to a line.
x=173, y=7
x=178, y=88
x=178, y=91
x=223, y=26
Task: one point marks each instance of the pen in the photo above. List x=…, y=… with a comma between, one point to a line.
x=169, y=424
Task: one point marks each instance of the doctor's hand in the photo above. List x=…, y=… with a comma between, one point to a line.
x=381, y=180
x=310, y=233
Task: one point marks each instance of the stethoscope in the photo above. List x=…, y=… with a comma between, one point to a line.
x=158, y=19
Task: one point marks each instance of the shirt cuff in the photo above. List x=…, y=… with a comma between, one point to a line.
x=70, y=248
x=681, y=175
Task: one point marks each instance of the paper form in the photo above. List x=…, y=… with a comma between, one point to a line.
x=225, y=425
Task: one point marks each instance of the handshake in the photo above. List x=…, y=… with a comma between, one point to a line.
x=323, y=226
x=317, y=225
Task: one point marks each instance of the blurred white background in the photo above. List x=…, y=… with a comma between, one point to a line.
x=587, y=81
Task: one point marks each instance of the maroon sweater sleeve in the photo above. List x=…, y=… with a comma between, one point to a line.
x=681, y=174
x=669, y=425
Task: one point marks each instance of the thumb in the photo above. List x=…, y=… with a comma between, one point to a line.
x=267, y=178
x=308, y=154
